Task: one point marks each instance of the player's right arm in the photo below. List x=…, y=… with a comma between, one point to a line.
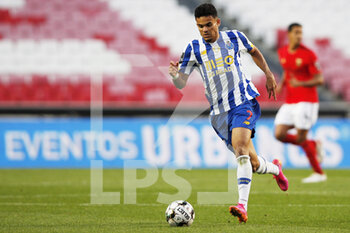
x=179, y=78
x=260, y=61
x=187, y=63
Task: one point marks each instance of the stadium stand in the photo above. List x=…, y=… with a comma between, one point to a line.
x=49, y=50
x=52, y=51
x=318, y=18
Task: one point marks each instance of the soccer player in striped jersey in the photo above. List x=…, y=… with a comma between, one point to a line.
x=231, y=94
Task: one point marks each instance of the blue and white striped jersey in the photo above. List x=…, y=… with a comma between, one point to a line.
x=219, y=63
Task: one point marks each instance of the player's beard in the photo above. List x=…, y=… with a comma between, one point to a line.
x=211, y=37
x=208, y=39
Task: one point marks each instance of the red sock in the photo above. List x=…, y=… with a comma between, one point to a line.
x=290, y=138
x=309, y=147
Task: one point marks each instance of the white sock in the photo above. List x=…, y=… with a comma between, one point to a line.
x=267, y=167
x=244, y=177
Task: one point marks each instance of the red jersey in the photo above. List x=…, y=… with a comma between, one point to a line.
x=302, y=65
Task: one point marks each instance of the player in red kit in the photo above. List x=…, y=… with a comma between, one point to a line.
x=301, y=77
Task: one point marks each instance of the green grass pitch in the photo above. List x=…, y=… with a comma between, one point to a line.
x=58, y=200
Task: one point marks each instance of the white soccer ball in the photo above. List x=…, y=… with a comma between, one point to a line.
x=179, y=213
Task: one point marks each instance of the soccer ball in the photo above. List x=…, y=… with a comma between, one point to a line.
x=179, y=213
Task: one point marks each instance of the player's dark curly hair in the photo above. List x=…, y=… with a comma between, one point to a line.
x=292, y=25
x=205, y=9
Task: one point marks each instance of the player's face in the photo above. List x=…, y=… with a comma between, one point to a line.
x=296, y=35
x=208, y=28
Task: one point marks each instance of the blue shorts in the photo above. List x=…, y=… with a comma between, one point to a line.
x=244, y=115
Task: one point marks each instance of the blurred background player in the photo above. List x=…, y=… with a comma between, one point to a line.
x=231, y=94
x=301, y=77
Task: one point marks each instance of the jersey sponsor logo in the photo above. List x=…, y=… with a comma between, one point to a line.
x=298, y=61
x=218, y=62
x=217, y=66
x=283, y=60
x=213, y=73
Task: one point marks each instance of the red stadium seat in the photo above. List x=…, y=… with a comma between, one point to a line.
x=93, y=19
x=82, y=92
x=5, y=16
x=107, y=38
x=3, y=92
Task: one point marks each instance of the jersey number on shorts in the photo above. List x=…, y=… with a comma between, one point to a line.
x=250, y=114
x=248, y=118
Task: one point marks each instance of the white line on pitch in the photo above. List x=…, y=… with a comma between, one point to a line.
x=159, y=204
x=32, y=204
x=43, y=195
x=319, y=193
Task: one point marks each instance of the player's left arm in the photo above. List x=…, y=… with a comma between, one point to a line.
x=317, y=80
x=262, y=64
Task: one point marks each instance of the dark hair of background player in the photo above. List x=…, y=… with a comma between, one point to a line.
x=292, y=25
x=205, y=9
